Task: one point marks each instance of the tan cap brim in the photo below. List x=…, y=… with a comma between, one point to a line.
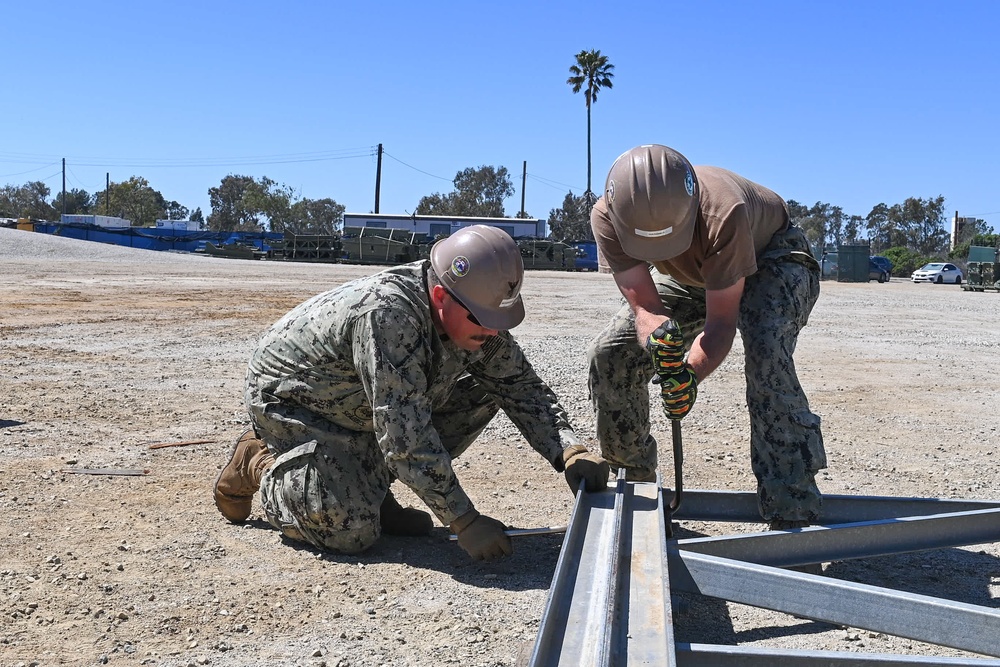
x=503, y=318
x=655, y=246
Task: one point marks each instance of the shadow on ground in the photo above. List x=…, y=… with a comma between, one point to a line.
x=530, y=567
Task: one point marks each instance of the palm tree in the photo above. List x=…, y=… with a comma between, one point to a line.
x=593, y=70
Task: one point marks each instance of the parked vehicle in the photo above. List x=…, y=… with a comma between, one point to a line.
x=884, y=263
x=876, y=272
x=829, y=264
x=937, y=272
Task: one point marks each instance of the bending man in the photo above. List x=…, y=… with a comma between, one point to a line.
x=699, y=252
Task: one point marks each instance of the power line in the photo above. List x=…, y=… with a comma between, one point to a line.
x=58, y=173
x=549, y=183
x=281, y=158
x=229, y=162
x=450, y=180
x=44, y=166
x=544, y=181
x=79, y=181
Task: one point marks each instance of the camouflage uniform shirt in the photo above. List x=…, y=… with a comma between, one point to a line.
x=366, y=357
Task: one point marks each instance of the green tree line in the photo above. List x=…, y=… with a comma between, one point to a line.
x=909, y=233
x=248, y=204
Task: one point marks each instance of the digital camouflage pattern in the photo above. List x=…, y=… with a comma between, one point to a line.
x=355, y=388
x=786, y=444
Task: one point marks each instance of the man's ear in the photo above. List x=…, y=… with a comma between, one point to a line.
x=438, y=294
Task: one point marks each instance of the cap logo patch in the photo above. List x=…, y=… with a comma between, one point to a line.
x=611, y=191
x=689, y=182
x=460, y=266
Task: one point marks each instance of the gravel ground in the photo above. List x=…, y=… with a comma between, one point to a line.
x=107, y=350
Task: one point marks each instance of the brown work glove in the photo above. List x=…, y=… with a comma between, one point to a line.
x=582, y=464
x=481, y=536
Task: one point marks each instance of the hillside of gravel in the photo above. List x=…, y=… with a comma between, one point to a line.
x=105, y=351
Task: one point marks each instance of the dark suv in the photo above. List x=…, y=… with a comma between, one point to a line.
x=883, y=263
x=876, y=272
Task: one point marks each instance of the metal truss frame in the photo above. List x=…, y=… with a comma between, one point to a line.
x=610, y=600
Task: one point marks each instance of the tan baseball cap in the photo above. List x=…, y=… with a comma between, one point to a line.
x=652, y=199
x=481, y=268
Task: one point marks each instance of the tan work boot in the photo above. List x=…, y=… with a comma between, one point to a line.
x=240, y=479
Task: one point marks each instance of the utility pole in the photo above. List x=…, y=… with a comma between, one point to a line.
x=107, y=192
x=64, y=186
x=378, y=176
x=524, y=175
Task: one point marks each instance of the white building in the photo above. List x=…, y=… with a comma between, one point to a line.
x=433, y=225
x=180, y=225
x=107, y=221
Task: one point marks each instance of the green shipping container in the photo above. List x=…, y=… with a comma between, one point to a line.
x=978, y=253
x=852, y=263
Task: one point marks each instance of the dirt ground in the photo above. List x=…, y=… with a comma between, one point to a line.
x=105, y=351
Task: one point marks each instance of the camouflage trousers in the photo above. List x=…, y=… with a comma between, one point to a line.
x=786, y=443
x=328, y=482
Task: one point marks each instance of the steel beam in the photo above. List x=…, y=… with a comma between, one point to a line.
x=820, y=544
x=609, y=603
x=694, y=655
x=741, y=507
x=920, y=617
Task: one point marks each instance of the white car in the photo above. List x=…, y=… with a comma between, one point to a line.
x=937, y=272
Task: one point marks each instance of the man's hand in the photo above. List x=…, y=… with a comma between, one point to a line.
x=666, y=348
x=582, y=464
x=679, y=392
x=678, y=383
x=481, y=536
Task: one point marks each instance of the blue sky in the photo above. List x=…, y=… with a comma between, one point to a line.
x=850, y=103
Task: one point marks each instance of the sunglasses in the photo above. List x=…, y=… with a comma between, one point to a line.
x=468, y=313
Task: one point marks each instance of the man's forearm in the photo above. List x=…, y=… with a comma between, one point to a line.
x=708, y=351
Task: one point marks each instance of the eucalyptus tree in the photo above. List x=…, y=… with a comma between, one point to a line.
x=571, y=222
x=479, y=192
x=245, y=204
x=27, y=201
x=77, y=202
x=133, y=199
x=591, y=72
x=315, y=216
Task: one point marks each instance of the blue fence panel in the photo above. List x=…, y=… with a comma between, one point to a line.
x=157, y=239
x=588, y=257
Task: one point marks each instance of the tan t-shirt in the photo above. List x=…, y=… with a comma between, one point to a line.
x=736, y=220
